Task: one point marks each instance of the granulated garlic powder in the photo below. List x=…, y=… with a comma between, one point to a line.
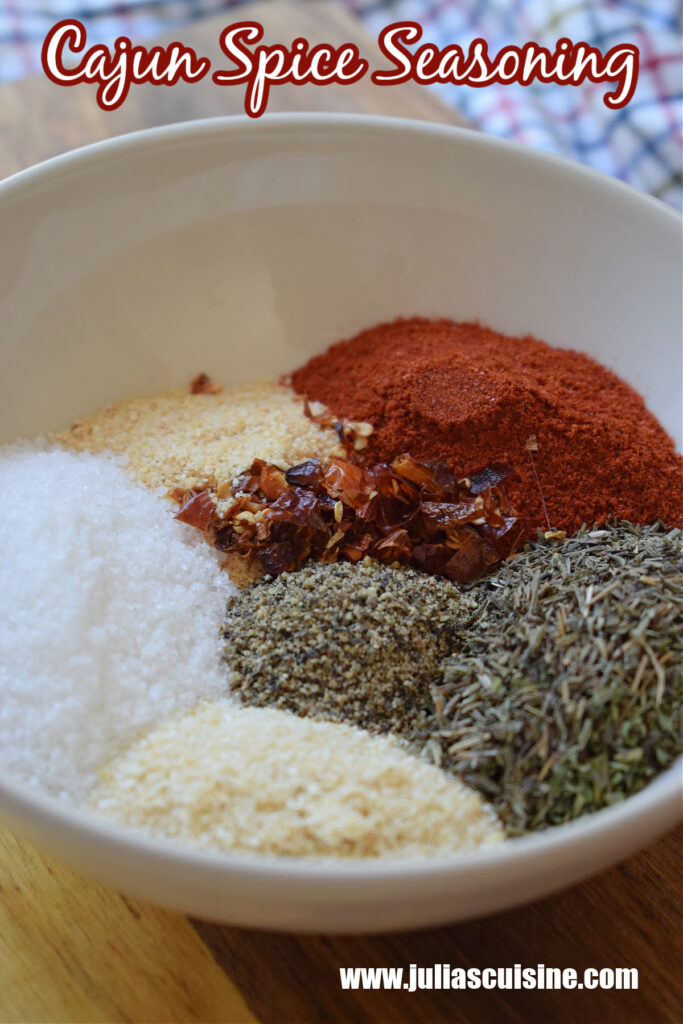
x=179, y=439
x=261, y=780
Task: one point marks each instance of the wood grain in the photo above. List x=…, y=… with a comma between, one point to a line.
x=39, y=119
x=71, y=950
x=629, y=917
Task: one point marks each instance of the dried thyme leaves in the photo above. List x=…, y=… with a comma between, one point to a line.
x=358, y=644
x=563, y=694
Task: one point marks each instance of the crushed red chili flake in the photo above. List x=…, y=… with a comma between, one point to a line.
x=197, y=510
x=352, y=433
x=488, y=477
x=408, y=512
x=306, y=474
x=203, y=385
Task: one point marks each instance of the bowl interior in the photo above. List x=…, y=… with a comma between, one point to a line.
x=241, y=248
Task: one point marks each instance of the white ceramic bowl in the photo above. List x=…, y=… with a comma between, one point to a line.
x=241, y=248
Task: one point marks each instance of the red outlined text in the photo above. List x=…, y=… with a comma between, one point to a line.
x=267, y=65
x=116, y=70
x=259, y=67
x=569, y=64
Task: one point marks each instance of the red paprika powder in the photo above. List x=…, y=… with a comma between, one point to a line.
x=468, y=396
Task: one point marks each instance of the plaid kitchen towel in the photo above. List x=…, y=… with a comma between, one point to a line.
x=640, y=143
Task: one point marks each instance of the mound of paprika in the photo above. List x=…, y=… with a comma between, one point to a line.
x=468, y=396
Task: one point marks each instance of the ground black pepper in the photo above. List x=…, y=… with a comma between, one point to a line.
x=359, y=644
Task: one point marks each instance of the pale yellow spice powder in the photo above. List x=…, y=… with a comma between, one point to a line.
x=178, y=439
x=224, y=778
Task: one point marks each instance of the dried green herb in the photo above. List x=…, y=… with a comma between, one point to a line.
x=564, y=692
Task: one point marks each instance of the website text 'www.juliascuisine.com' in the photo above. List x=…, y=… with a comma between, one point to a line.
x=443, y=976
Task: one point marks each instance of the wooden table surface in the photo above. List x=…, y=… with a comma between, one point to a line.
x=71, y=950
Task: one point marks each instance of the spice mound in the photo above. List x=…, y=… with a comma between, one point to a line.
x=267, y=782
x=359, y=644
x=108, y=615
x=406, y=512
x=204, y=437
x=564, y=693
x=465, y=395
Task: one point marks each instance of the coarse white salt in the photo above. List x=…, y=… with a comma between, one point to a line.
x=223, y=777
x=109, y=615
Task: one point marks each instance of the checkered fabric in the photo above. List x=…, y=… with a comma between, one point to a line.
x=640, y=143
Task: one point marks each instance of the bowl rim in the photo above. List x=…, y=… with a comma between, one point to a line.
x=661, y=799
x=216, y=127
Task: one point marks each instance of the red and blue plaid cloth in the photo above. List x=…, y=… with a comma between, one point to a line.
x=641, y=143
